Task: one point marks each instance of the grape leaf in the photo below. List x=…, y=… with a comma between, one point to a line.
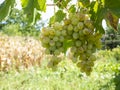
x=42, y=5
x=97, y=14
x=30, y=11
x=62, y=3
x=84, y=3
x=72, y=9
x=58, y=17
x=112, y=20
x=67, y=44
x=24, y=3
x=5, y=8
x=113, y=6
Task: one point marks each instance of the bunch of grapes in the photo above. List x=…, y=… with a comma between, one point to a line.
x=85, y=40
x=52, y=38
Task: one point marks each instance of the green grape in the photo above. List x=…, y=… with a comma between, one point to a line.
x=57, y=26
x=57, y=33
x=92, y=58
x=81, y=17
x=57, y=52
x=52, y=48
x=56, y=60
x=89, y=24
x=45, y=45
x=78, y=43
x=88, y=52
x=73, y=49
x=47, y=51
x=69, y=33
x=70, y=27
x=81, y=33
x=50, y=64
x=61, y=38
x=64, y=32
x=67, y=21
x=74, y=21
x=58, y=44
x=55, y=38
x=75, y=35
x=89, y=46
x=61, y=49
x=76, y=29
x=80, y=25
x=81, y=50
x=83, y=56
x=52, y=43
x=52, y=31
x=86, y=31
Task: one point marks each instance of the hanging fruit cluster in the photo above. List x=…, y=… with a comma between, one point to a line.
x=79, y=30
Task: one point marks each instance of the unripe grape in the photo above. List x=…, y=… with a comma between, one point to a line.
x=70, y=27
x=58, y=44
x=81, y=17
x=69, y=33
x=52, y=43
x=78, y=43
x=52, y=48
x=89, y=24
x=76, y=29
x=86, y=31
x=56, y=52
x=67, y=21
x=74, y=21
x=81, y=50
x=92, y=58
x=50, y=64
x=83, y=56
x=80, y=25
x=81, y=33
x=52, y=32
x=61, y=38
x=55, y=38
x=64, y=32
x=88, y=52
x=61, y=49
x=57, y=33
x=75, y=35
x=89, y=46
x=47, y=51
x=73, y=49
x=57, y=26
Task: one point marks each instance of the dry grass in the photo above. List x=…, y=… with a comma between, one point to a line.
x=19, y=52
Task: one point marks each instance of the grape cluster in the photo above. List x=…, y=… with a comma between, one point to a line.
x=85, y=40
x=52, y=38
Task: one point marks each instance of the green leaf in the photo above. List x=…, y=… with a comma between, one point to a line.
x=5, y=8
x=30, y=11
x=72, y=9
x=112, y=20
x=113, y=5
x=84, y=3
x=67, y=44
x=58, y=17
x=24, y=3
x=62, y=3
x=42, y=5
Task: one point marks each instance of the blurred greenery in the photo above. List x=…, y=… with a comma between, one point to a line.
x=17, y=24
